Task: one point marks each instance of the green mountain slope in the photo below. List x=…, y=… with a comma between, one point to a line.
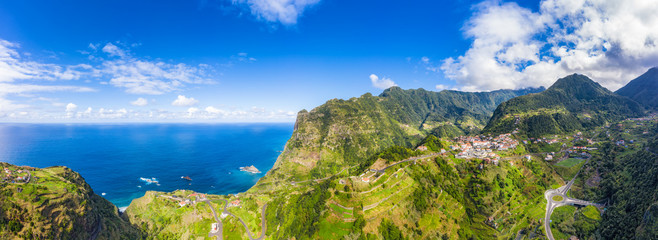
x=643, y=89
x=56, y=203
x=343, y=133
x=573, y=102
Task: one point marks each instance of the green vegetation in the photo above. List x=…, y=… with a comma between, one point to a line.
x=573, y=103
x=643, y=89
x=568, y=173
x=432, y=143
x=397, y=153
x=571, y=221
x=342, y=133
x=321, y=186
x=631, y=186
x=57, y=203
x=570, y=162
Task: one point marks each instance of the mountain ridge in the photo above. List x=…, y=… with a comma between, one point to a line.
x=571, y=103
x=343, y=133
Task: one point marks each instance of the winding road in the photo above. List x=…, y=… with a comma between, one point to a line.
x=218, y=234
x=552, y=203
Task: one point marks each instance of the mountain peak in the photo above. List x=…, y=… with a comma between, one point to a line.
x=643, y=89
x=579, y=86
x=560, y=108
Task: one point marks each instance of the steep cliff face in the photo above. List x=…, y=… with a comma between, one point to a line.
x=573, y=102
x=342, y=133
x=56, y=203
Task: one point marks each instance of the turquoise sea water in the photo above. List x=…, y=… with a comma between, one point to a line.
x=113, y=157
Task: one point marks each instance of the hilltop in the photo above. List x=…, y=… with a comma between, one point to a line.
x=643, y=89
x=573, y=103
x=56, y=203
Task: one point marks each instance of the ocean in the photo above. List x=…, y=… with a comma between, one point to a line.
x=113, y=157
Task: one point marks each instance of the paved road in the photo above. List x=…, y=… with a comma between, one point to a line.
x=552, y=204
x=218, y=234
x=225, y=211
x=262, y=222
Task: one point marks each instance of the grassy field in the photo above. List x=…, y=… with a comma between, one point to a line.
x=559, y=216
x=567, y=173
x=592, y=213
x=568, y=163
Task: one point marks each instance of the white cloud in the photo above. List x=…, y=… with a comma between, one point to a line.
x=213, y=110
x=7, y=106
x=70, y=110
x=191, y=111
x=15, y=71
x=28, y=88
x=140, y=102
x=441, y=87
x=183, y=101
x=285, y=12
x=13, y=67
x=382, y=83
x=512, y=47
x=152, y=77
x=71, y=107
x=113, y=50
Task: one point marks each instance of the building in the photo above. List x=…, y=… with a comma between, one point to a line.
x=549, y=158
x=421, y=148
x=234, y=203
x=214, y=227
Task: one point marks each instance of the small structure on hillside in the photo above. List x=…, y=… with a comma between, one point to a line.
x=234, y=203
x=365, y=179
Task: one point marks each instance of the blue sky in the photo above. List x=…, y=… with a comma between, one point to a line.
x=264, y=60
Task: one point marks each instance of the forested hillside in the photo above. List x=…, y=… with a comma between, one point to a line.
x=643, y=89
x=574, y=102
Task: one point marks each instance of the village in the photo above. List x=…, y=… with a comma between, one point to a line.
x=483, y=147
x=14, y=175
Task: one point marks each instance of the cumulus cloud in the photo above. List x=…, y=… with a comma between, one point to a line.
x=183, y=101
x=140, y=102
x=71, y=107
x=382, y=83
x=513, y=47
x=285, y=12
